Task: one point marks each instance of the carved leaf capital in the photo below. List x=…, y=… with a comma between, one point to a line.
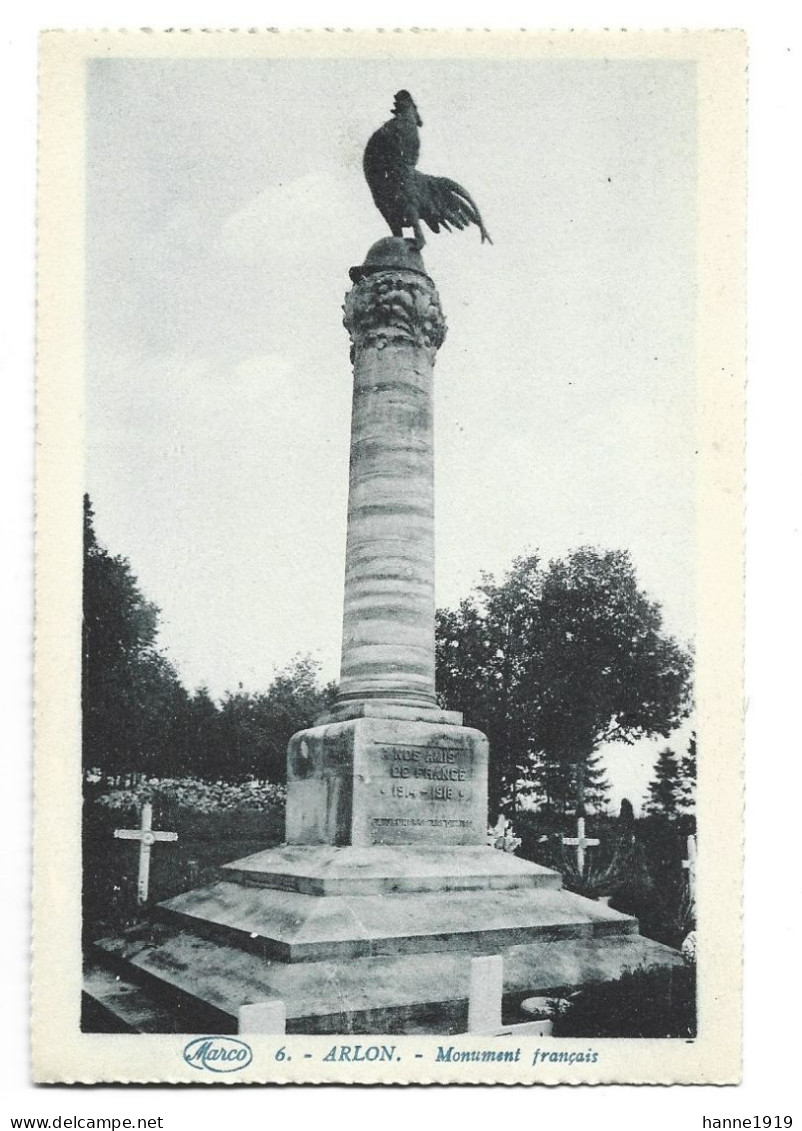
x=394, y=306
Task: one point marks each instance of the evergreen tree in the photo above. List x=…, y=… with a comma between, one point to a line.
x=558, y=781
x=687, y=785
x=664, y=789
x=597, y=784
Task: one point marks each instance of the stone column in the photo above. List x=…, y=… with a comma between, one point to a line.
x=386, y=766
x=396, y=326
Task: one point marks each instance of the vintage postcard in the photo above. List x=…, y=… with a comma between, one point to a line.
x=389, y=557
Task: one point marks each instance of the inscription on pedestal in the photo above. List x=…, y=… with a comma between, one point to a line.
x=424, y=792
x=429, y=773
x=387, y=781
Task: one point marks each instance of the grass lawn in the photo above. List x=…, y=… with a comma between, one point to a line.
x=205, y=841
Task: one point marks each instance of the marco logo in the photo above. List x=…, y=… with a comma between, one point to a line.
x=218, y=1054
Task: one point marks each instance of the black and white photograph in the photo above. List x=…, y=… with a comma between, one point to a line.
x=390, y=494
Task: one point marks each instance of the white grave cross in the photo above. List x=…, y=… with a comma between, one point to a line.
x=484, y=1003
x=263, y=1017
x=581, y=842
x=690, y=864
x=147, y=838
x=484, y=996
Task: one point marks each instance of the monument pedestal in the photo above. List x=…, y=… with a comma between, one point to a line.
x=383, y=780
x=367, y=919
x=375, y=939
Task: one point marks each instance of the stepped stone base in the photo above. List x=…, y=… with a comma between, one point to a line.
x=205, y=983
x=358, y=940
x=352, y=870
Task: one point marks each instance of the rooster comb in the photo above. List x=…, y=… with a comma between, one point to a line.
x=403, y=98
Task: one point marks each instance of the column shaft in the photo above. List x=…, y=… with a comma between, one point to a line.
x=388, y=620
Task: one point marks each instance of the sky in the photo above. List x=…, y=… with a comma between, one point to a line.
x=226, y=202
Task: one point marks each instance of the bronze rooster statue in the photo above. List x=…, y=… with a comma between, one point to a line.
x=404, y=196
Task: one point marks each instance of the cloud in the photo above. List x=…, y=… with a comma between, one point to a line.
x=319, y=210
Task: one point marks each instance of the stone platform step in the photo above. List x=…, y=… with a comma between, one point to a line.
x=376, y=870
x=114, y=1004
x=420, y=993
x=293, y=927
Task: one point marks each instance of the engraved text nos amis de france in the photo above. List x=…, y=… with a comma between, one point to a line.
x=427, y=773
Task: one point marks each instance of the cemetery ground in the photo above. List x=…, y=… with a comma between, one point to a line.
x=215, y=823
x=219, y=822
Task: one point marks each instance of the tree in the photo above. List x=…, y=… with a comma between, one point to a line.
x=130, y=693
x=242, y=737
x=559, y=781
x=292, y=703
x=255, y=728
x=481, y=672
x=203, y=735
x=604, y=669
x=664, y=789
x=137, y=715
x=687, y=782
x=554, y=662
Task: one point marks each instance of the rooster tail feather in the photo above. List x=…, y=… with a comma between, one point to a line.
x=445, y=202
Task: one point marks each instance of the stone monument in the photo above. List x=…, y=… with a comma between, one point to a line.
x=387, y=766
x=367, y=918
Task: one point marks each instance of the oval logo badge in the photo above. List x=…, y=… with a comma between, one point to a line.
x=218, y=1054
